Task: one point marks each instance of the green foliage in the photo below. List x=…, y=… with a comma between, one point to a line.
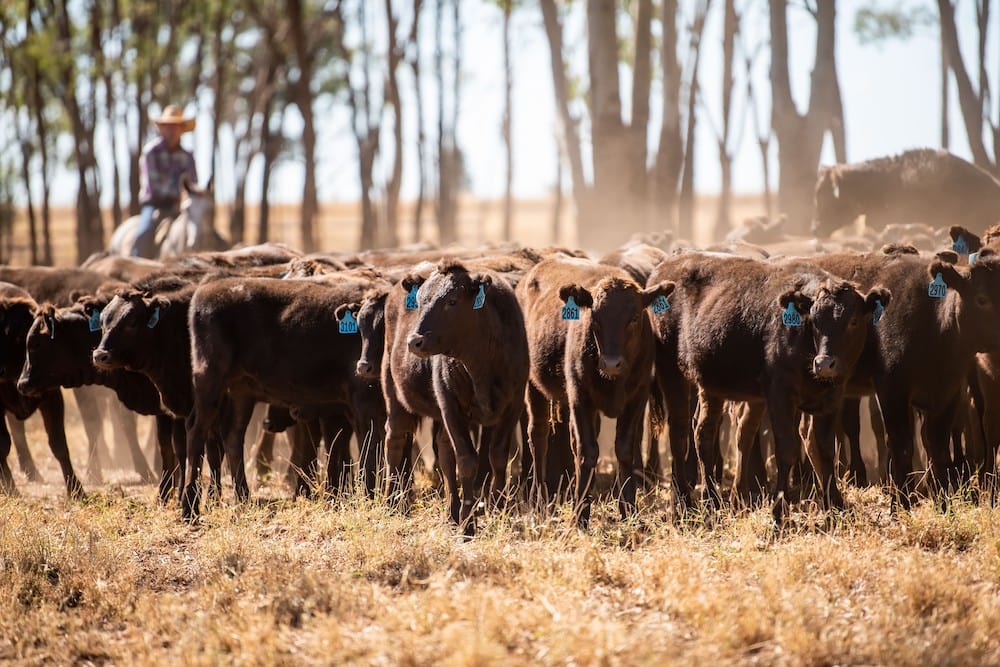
x=875, y=25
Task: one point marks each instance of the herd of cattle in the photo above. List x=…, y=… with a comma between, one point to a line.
x=514, y=354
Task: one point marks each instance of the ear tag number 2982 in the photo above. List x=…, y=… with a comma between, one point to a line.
x=571, y=311
x=938, y=288
x=790, y=317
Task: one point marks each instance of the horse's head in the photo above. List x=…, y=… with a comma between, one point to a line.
x=200, y=204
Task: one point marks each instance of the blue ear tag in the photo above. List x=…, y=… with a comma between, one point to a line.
x=94, y=322
x=154, y=318
x=790, y=317
x=960, y=246
x=348, y=325
x=973, y=256
x=571, y=311
x=480, y=298
x=411, y=298
x=52, y=327
x=938, y=288
x=878, y=312
x=660, y=305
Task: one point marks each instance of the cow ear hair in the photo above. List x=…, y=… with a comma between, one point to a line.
x=803, y=302
x=409, y=281
x=664, y=289
x=952, y=276
x=971, y=239
x=581, y=295
x=875, y=295
x=343, y=308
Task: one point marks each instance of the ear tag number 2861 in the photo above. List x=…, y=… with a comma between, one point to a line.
x=571, y=311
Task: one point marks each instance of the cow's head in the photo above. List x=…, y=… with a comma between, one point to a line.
x=617, y=314
x=837, y=316
x=127, y=326
x=832, y=208
x=371, y=326
x=978, y=288
x=59, y=347
x=453, y=303
x=16, y=316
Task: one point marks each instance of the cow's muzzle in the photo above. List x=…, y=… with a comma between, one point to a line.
x=826, y=366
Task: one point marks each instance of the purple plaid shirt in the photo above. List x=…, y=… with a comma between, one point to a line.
x=160, y=172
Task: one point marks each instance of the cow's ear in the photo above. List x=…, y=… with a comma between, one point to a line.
x=947, y=256
x=877, y=295
x=581, y=296
x=478, y=279
x=408, y=282
x=971, y=240
x=343, y=308
x=803, y=302
x=651, y=293
x=951, y=275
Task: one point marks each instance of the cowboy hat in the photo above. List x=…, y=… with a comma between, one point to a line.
x=174, y=115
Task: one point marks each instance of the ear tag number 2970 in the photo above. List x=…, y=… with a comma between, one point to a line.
x=938, y=288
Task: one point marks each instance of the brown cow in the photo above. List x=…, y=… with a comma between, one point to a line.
x=924, y=349
x=276, y=341
x=591, y=351
x=465, y=338
x=924, y=185
x=787, y=335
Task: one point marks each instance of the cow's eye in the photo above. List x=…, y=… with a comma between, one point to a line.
x=983, y=301
x=452, y=302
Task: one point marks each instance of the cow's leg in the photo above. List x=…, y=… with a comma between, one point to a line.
x=823, y=454
x=850, y=421
x=583, y=424
x=787, y=447
x=265, y=453
x=123, y=423
x=898, y=419
x=878, y=432
x=460, y=435
x=684, y=464
x=400, y=427
x=937, y=432
x=6, y=478
x=54, y=417
x=93, y=426
x=201, y=425
x=337, y=432
x=370, y=415
x=628, y=451
x=237, y=413
x=164, y=438
x=448, y=466
x=707, y=439
x=26, y=462
x=539, y=416
x=304, y=437
x=497, y=441
x=752, y=480
x=179, y=438
x=526, y=480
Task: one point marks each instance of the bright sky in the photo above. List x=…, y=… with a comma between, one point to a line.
x=890, y=94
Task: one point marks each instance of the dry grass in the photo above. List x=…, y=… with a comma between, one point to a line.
x=117, y=578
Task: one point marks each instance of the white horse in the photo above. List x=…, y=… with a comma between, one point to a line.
x=191, y=231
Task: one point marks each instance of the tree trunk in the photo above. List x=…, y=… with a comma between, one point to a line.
x=302, y=97
x=670, y=149
x=968, y=99
x=445, y=145
x=686, y=201
x=642, y=68
x=800, y=138
x=557, y=203
x=730, y=26
x=421, y=141
x=393, y=99
x=945, y=68
x=569, y=139
x=508, y=199
x=271, y=143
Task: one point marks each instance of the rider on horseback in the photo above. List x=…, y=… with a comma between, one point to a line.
x=162, y=166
